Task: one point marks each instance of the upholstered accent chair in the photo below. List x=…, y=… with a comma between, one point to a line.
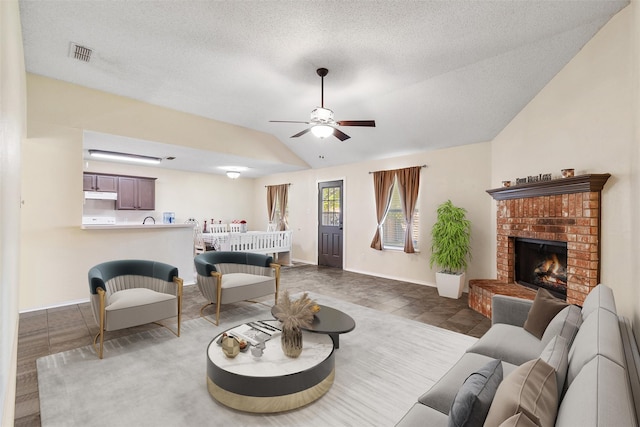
x=228, y=277
x=128, y=293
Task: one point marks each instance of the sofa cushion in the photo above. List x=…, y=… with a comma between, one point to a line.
x=556, y=354
x=441, y=395
x=530, y=389
x=566, y=324
x=599, y=396
x=135, y=297
x=509, y=343
x=472, y=402
x=518, y=420
x=545, y=307
x=599, y=334
x=600, y=297
x=137, y=306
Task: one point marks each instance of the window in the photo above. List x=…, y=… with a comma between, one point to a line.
x=331, y=206
x=277, y=216
x=394, y=225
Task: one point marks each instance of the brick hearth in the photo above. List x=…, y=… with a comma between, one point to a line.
x=565, y=210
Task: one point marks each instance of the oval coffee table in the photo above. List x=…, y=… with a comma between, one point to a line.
x=330, y=321
x=273, y=382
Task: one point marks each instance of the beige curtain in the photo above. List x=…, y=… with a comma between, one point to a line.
x=283, y=198
x=408, y=187
x=272, y=194
x=382, y=184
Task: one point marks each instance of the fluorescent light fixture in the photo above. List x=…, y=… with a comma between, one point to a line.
x=233, y=174
x=322, y=131
x=126, y=157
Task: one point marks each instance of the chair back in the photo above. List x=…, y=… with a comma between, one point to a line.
x=206, y=262
x=104, y=272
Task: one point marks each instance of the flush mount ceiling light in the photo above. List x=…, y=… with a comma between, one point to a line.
x=233, y=174
x=322, y=131
x=126, y=157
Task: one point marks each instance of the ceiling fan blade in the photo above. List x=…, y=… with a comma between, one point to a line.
x=301, y=133
x=368, y=123
x=286, y=121
x=340, y=135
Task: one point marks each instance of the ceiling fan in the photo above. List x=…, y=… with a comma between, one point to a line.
x=322, y=118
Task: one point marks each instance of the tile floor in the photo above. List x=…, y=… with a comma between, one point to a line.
x=55, y=330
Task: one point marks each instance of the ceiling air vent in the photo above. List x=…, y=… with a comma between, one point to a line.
x=79, y=52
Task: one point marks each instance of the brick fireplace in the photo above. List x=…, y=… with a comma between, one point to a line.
x=564, y=210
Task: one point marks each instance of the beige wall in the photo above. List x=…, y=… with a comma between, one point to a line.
x=12, y=130
x=461, y=174
x=585, y=118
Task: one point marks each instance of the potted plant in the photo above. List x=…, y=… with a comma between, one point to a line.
x=450, y=248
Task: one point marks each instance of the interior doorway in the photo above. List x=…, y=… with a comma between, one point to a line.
x=330, y=239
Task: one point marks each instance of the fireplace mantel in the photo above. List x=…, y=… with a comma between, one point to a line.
x=576, y=184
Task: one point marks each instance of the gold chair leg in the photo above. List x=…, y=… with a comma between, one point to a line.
x=180, y=284
x=218, y=276
x=102, y=295
x=276, y=267
x=95, y=347
x=202, y=313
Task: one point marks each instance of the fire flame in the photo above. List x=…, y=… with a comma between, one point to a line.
x=549, y=269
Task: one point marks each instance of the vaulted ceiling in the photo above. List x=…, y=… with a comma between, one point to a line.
x=432, y=74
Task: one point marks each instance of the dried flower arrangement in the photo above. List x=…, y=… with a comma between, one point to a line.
x=295, y=314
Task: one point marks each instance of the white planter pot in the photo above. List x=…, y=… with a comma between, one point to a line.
x=450, y=285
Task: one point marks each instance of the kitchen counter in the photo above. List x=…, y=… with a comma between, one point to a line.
x=129, y=225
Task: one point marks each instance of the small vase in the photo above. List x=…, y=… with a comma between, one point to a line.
x=291, y=341
x=230, y=347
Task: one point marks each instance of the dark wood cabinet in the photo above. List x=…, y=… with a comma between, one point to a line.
x=96, y=182
x=136, y=193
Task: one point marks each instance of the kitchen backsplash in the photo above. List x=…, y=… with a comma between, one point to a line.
x=106, y=208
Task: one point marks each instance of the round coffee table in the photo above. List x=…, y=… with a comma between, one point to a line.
x=273, y=382
x=332, y=322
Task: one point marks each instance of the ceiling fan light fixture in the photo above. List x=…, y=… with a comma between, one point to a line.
x=233, y=174
x=322, y=131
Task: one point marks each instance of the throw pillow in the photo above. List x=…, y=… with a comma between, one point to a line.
x=472, y=402
x=556, y=354
x=518, y=420
x=531, y=389
x=545, y=307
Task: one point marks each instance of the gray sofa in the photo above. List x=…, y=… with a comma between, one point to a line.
x=599, y=386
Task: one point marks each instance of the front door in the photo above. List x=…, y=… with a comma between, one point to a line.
x=330, y=224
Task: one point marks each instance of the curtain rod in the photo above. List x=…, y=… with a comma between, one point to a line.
x=423, y=166
x=286, y=183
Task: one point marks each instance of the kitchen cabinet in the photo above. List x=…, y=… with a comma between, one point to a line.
x=136, y=193
x=97, y=182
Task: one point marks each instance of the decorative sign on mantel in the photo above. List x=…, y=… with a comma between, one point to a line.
x=574, y=184
x=534, y=178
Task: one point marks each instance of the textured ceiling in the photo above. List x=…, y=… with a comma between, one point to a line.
x=432, y=74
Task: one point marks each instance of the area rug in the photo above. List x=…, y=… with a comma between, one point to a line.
x=157, y=379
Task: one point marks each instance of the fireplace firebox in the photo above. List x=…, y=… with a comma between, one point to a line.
x=542, y=264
